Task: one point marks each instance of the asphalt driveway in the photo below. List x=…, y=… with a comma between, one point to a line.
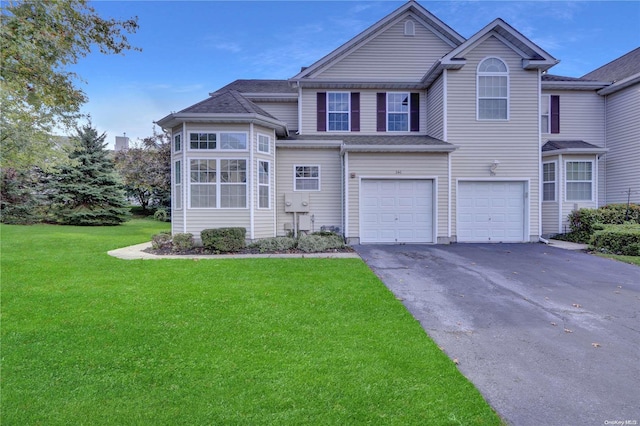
x=548, y=336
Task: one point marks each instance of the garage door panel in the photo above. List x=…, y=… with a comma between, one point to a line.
x=402, y=212
x=491, y=212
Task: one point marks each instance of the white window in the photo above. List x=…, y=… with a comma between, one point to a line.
x=233, y=184
x=177, y=142
x=203, y=183
x=338, y=111
x=209, y=141
x=264, y=143
x=493, y=90
x=397, y=112
x=264, y=185
x=549, y=181
x=579, y=180
x=237, y=141
x=409, y=28
x=307, y=178
x=177, y=186
x=545, y=110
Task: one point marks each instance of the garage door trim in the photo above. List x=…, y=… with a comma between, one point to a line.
x=526, y=202
x=434, y=203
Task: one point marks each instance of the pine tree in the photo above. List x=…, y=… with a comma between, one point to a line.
x=88, y=191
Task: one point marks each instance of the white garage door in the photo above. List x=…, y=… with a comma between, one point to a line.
x=396, y=211
x=491, y=212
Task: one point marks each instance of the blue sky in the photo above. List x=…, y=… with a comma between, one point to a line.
x=192, y=48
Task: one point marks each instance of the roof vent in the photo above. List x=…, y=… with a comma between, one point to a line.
x=409, y=28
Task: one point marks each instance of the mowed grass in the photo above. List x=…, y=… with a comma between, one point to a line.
x=88, y=339
x=634, y=260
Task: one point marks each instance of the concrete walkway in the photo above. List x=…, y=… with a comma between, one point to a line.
x=137, y=252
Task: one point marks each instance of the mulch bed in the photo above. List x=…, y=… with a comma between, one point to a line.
x=200, y=251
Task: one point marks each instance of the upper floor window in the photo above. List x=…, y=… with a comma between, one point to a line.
x=493, y=90
x=409, y=28
x=338, y=111
x=550, y=114
x=397, y=112
x=264, y=143
x=307, y=178
x=177, y=142
x=579, y=180
x=209, y=141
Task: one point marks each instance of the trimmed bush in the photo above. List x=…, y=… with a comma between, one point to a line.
x=182, y=242
x=161, y=240
x=223, y=240
x=315, y=243
x=275, y=244
x=584, y=222
x=618, y=239
x=162, y=215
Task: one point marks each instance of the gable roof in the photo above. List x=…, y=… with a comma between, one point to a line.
x=440, y=28
x=224, y=106
x=259, y=87
x=559, y=82
x=571, y=147
x=533, y=57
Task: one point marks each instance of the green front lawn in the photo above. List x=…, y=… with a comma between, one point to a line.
x=90, y=339
x=634, y=260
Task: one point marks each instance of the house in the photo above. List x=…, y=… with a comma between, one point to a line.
x=408, y=133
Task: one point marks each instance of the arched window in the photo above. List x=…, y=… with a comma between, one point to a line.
x=493, y=90
x=409, y=28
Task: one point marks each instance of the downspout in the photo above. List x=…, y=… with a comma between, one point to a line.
x=252, y=181
x=183, y=187
x=560, y=184
x=273, y=194
x=346, y=196
x=342, y=192
x=299, y=109
x=445, y=137
x=540, y=168
x=606, y=142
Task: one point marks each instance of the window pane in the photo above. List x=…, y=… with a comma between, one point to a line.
x=203, y=140
x=339, y=121
x=397, y=102
x=203, y=195
x=549, y=191
x=578, y=191
x=493, y=109
x=263, y=197
x=263, y=143
x=233, y=171
x=307, y=184
x=233, y=141
x=263, y=172
x=233, y=196
x=492, y=65
x=398, y=122
x=203, y=171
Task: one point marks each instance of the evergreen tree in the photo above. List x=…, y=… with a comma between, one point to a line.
x=88, y=191
x=18, y=203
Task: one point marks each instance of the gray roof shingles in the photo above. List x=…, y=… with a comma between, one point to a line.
x=227, y=102
x=618, y=69
x=554, y=145
x=259, y=86
x=350, y=139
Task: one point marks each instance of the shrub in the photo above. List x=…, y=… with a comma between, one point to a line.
x=584, y=222
x=223, y=240
x=182, y=242
x=162, y=215
x=315, y=243
x=618, y=239
x=275, y=244
x=161, y=240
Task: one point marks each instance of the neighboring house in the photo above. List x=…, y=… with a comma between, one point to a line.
x=408, y=133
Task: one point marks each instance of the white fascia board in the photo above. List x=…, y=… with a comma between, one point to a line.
x=362, y=84
x=575, y=151
x=308, y=143
x=398, y=148
x=573, y=85
x=177, y=118
x=619, y=85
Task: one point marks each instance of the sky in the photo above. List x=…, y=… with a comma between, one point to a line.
x=192, y=48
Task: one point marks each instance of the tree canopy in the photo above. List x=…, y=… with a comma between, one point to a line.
x=39, y=40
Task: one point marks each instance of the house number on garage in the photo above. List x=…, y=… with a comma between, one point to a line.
x=398, y=172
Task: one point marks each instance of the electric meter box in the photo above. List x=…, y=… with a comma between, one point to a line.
x=296, y=202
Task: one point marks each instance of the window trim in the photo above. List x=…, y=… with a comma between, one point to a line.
x=567, y=181
x=263, y=185
x=548, y=114
x=263, y=135
x=408, y=112
x=479, y=75
x=295, y=178
x=554, y=181
x=219, y=184
x=329, y=112
x=219, y=147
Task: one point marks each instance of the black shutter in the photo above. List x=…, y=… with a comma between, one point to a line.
x=555, y=114
x=414, y=109
x=321, y=111
x=381, y=112
x=355, y=112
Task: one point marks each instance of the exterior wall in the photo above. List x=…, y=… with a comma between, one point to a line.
x=390, y=56
x=435, y=109
x=623, y=141
x=264, y=220
x=401, y=166
x=283, y=111
x=367, y=113
x=551, y=209
x=325, y=205
x=515, y=143
x=567, y=206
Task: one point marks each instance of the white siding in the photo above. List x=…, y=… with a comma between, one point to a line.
x=264, y=219
x=514, y=143
x=397, y=165
x=567, y=207
x=283, y=111
x=623, y=141
x=390, y=55
x=325, y=205
x=435, y=109
x=581, y=117
x=550, y=218
x=367, y=113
